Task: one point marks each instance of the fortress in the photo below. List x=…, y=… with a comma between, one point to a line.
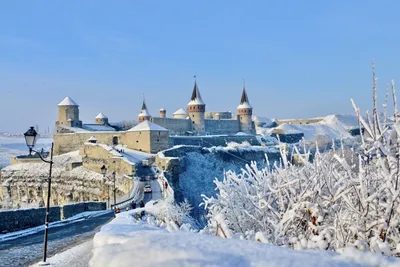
x=152, y=133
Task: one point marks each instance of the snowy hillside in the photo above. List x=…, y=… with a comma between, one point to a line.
x=127, y=242
x=332, y=127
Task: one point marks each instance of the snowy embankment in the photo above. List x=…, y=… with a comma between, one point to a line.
x=126, y=241
x=330, y=127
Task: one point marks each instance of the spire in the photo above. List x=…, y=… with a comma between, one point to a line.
x=144, y=107
x=244, y=100
x=196, y=97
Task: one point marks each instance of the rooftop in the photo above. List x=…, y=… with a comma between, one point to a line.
x=147, y=126
x=180, y=112
x=101, y=116
x=68, y=102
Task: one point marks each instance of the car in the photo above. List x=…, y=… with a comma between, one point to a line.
x=142, y=179
x=117, y=210
x=147, y=188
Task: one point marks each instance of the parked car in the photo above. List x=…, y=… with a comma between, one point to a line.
x=117, y=210
x=147, y=188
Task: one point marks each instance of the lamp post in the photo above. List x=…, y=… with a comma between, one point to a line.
x=115, y=197
x=104, y=171
x=30, y=139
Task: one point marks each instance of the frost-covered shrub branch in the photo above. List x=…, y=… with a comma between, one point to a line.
x=335, y=201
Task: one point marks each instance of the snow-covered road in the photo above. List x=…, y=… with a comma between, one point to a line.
x=26, y=250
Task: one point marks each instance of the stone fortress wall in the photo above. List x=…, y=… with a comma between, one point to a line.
x=13, y=220
x=222, y=126
x=299, y=121
x=174, y=125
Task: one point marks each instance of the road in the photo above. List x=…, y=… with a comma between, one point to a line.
x=28, y=249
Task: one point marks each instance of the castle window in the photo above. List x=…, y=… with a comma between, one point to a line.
x=137, y=141
x=158, y=140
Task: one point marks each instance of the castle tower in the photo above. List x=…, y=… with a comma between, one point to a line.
x=196, y=109
x=68, y=113
x=245, y=112
x=163, y=113
x=101, y=119
x=144, y=115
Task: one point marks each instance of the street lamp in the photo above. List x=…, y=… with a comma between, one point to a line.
x=104, y=171
x=30, y=139
x=115, y=197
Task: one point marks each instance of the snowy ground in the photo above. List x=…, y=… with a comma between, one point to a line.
x=83, y=252
x=127, y=242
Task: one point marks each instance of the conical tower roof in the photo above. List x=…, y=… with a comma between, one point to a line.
x=244, y=100
x=144, y=112
x=196, y=97
x=68, y=102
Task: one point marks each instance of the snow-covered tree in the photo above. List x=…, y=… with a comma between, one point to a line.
x=340, y=199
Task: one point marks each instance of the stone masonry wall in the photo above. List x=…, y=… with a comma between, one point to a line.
x=94, y=156
x=175, y=126
x=14, y=220
x=222, y=126
x=64, y=143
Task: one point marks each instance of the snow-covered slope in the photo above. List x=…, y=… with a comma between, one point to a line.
x=127, y=242
x=332, y=127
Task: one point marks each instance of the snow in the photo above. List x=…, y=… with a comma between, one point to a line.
x=133, y=155
x=332, y=127
x=144, y=113
x=265, y=120
x=92, y=138
x=147, y=126
x=98, y=128
x=78, y=256
x=244, y=105
x=68, y=102
x=180, y=112
x=101, y=116
x=128, y=242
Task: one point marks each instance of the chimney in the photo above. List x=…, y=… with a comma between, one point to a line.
x=163, y=113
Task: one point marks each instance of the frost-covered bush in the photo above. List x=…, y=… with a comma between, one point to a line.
x=171, y=212
x=339, y=199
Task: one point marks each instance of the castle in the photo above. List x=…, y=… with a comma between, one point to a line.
x=152, y=133
x=196, y=121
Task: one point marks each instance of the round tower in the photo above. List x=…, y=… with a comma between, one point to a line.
x=163, y=113
x=196, y=109
x=245, y=112
x=144, y=114
x=68, y=113
x=101, y=119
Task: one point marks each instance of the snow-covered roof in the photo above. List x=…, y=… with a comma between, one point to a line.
x=144, y=113
x=147, y=126
x=244, y=105
x=68, y=102
x=180, y=112
x=161, y=109
x=92, y=138
x=98, y=127
x=244, y=100
x=196, y=97
x=101, y=116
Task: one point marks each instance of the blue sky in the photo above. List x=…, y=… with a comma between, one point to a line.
x=299, y=58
